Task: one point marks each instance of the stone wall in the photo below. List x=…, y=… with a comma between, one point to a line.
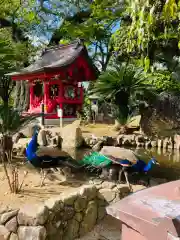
x=135, y=141
x=67, y=216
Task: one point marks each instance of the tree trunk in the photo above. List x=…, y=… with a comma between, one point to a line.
x=17, y=94
x=27, y=97
x=22, y=95
x=21, y=101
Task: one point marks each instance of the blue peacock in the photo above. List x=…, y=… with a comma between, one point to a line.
x=46, y=161
x=124, y=159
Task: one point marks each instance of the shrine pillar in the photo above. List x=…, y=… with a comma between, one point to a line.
x=31, y=95
x=46, y=87
x=61, y=95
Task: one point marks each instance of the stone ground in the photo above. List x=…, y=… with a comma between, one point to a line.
x=107, y=229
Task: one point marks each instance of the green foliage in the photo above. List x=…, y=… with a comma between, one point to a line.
x=122, y=119
x=163, y=82
x=86, y=112
x=11, y=120
x=149, y=30
x=124, y=86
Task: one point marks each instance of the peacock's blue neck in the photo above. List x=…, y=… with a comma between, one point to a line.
x=148, y=166
x=32, y=148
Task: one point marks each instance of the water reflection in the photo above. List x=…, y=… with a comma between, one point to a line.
x=165, y=156
x=169, y=162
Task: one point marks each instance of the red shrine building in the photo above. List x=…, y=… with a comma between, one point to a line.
x=55, y=80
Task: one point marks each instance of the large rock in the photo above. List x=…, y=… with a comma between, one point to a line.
x=32, y=233
x=80, y=204
x=101, y=213
x=107, y=184
x=168, y=143
x=4, y=233
x=12, y=225
x=7, y=216
x=17, y=136
x=13, y=236
x=29, y=130
x=88, y=191
x=68, y=213
x=78, y=217
x=97, y=147
x=72, y=230
x=54, y=204
x=69, y=198
x=160, y=143
x=163, y=117
x=72, y=136
x=123, y=188
x=54, y=152
x=22, y=143
x=42, y=137
x=33, y=215
x=90, y=218
x=107, y=194
x=129, y=140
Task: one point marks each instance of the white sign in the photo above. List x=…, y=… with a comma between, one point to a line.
x=60, y=113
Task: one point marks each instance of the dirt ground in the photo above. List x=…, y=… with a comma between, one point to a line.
x=32, y=192
x=99, y=130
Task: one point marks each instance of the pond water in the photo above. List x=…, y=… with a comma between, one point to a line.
x=169, y=161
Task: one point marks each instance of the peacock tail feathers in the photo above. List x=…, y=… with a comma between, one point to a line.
x=96, y=160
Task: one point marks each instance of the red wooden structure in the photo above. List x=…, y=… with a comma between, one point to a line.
x=55, y=79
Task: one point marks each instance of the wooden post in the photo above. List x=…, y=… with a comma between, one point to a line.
x=45, y=96
x=60, y=109
x=60, y=115
x=61, y=122
x=42, y=114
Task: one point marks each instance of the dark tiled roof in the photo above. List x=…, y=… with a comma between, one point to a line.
x=54, y=58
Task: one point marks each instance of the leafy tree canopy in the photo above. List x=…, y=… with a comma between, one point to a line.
x=149, y=30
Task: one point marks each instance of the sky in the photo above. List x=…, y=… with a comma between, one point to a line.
x=53, y=22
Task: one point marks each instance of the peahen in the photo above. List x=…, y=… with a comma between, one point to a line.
x=46, y=161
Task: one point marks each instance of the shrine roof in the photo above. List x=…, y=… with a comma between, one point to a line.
x=55, y=58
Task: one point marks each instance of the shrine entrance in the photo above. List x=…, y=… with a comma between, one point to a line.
x=54, y=91
x=60, y=94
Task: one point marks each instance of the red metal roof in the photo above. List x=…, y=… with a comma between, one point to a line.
x=55, y=59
